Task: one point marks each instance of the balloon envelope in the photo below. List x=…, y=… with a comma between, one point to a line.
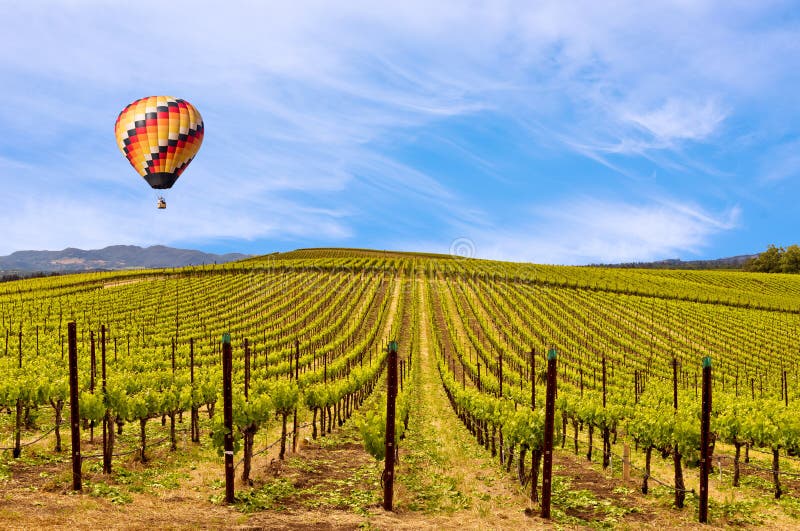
x=159, y=135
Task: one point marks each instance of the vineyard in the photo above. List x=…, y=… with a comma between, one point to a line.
x=309, y=332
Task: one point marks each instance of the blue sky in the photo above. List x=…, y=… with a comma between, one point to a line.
x=552, y=132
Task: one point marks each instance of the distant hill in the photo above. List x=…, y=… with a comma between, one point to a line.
x=731, y=262
x=111, y=258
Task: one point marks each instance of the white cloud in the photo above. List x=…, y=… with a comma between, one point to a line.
x=678, y=120
x=52, y=222
x=586, y=230
x=348, y=72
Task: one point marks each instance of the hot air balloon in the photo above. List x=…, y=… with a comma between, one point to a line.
x=159, y=135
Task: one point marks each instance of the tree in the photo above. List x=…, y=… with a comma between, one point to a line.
x=790, y=261
x=767, y=262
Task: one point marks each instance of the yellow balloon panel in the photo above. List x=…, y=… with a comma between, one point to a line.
x=159, y=135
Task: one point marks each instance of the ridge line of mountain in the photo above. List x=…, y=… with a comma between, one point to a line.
x=114, y=257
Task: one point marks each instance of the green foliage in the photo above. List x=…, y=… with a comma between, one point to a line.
x=373, y=432
x=790, y=261
x=266, y=497
x=285, y=396
x=91, y=406
x=111, y=493
x=776, y=260
x=218, y=432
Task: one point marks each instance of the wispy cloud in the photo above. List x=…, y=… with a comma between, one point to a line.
x=679, y=120
x=51, y=221
x=586, y=230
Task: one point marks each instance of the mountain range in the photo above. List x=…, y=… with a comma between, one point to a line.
x=110, y=258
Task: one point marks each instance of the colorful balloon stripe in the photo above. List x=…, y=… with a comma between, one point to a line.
x=159, y=135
